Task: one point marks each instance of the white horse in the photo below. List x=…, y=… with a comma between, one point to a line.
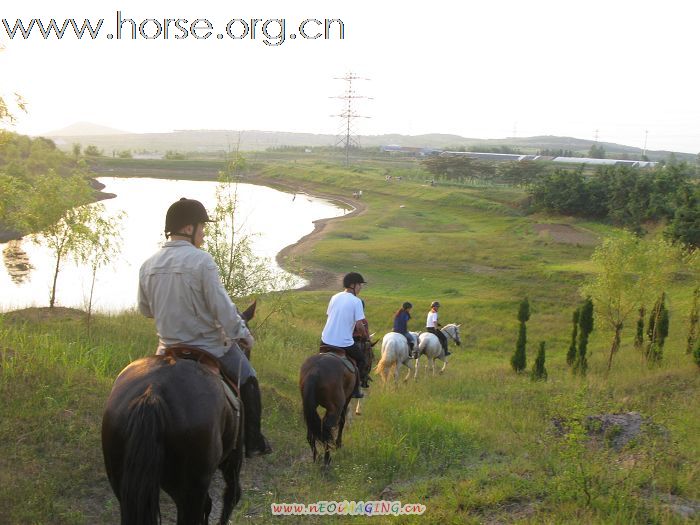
x=429, y=344
x=395, y=354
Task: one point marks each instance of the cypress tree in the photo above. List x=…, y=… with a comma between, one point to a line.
x=519, y=359
x=585, y=324
x=657, y=330
x=539, y=372
x=694, y=318
x=571, y=354
x=639, y=337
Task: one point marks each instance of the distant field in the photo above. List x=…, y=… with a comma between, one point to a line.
x=475, y=445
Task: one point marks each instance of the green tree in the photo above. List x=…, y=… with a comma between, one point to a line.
x=125, y=154
x=519, y=359
x=685, y=224
x=657, y=330
x=639, y=336
x=12, y=196
x=76, y=150
x=571, y=353
x=691, y=260
x=92, y=151
x=539, y=372
x=522, y=173
x=55, y=211
x=596, y=152
x=174, y=155
x=585, y=327
x=98, y=245
x=629, y=273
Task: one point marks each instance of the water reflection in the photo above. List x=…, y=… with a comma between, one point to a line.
x=16, y=262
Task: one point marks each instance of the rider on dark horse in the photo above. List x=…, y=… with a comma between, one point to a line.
x=433, y=326
x=179, y=286
x=346, y=316
x=401, y=318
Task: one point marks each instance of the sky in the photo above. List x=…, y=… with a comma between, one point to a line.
x=619, y=71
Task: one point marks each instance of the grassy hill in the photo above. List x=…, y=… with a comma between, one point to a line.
x=478, y=444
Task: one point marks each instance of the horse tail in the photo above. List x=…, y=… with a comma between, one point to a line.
x=384, y=366
x=314, y=432
x=143, y=461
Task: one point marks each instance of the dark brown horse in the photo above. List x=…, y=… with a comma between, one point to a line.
x=169, y=424
x=326, y=380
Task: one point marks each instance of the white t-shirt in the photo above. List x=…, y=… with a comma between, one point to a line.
x=432, y=319
x=344, y=310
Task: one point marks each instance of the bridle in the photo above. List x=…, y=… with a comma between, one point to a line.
x=451, y=336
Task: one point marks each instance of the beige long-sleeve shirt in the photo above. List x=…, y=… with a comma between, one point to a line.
x=179, y=287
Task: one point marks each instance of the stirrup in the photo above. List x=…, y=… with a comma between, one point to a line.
x=357, y=394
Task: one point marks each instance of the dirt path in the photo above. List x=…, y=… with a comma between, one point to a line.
x=318, y=278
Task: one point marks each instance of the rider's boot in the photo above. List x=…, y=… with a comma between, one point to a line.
x=255, y=443
x=447, y=352
x=411, y=352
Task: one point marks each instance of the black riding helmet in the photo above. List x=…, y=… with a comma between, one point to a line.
x=407, y=305
x=184, y=212
x=353, y=278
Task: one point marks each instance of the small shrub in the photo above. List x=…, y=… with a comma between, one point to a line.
x=519, y=359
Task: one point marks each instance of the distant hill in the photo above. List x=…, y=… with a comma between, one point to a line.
x=85, y=129
x=213, y=141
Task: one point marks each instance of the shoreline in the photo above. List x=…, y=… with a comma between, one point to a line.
x=318, y=279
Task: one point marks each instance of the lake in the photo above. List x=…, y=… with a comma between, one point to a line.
x=275, y=218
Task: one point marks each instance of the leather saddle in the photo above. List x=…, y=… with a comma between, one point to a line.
x=205, y=359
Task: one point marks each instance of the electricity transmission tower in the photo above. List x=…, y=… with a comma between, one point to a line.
x=348, y=115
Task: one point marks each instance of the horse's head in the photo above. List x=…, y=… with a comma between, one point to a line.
x=249, y=312
x=247, y=315
x=453, y=331
x=365, y=345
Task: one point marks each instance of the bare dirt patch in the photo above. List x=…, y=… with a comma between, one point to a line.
x=566, y=234
x=45, y=314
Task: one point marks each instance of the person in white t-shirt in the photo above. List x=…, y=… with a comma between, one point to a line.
x=345, y=316
x=433, y=326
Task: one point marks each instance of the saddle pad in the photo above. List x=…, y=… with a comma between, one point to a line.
x=348, y=364
x=235, y=403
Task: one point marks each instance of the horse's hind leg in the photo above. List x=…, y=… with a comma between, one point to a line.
x=192, y=503
x=231, y=470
